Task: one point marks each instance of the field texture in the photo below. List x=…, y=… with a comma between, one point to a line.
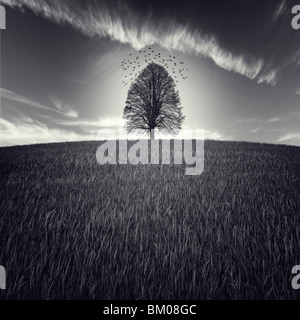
x=73, y=229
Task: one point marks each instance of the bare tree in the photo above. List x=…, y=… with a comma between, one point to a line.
x=153, y=102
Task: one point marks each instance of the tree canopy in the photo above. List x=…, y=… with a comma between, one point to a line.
x=153, y=102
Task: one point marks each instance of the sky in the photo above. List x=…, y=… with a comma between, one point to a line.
x=62, y=77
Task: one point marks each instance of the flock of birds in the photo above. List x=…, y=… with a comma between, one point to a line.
x=133, y=63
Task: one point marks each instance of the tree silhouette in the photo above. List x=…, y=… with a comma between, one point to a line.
x=153, y=102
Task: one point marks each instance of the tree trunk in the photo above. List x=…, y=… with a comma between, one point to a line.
x=152, y=136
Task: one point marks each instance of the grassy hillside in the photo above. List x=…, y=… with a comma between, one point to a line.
x=73, y=229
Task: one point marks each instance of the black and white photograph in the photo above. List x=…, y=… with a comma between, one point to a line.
x=150, y=151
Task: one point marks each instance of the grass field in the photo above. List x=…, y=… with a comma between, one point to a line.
x=73, y=229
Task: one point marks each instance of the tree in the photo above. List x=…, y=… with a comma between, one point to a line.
x=153, y=102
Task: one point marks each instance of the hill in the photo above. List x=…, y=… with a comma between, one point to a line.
x=74, y=229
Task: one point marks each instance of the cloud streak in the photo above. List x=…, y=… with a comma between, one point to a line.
x=120, y=23
x=291, y=138
x=31, y=132
x=60, y=108
x=280, y=10
x=269, y=78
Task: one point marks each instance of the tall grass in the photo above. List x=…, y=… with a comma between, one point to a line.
x=73, y=229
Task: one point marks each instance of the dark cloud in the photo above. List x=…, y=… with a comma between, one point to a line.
x=253, y=38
